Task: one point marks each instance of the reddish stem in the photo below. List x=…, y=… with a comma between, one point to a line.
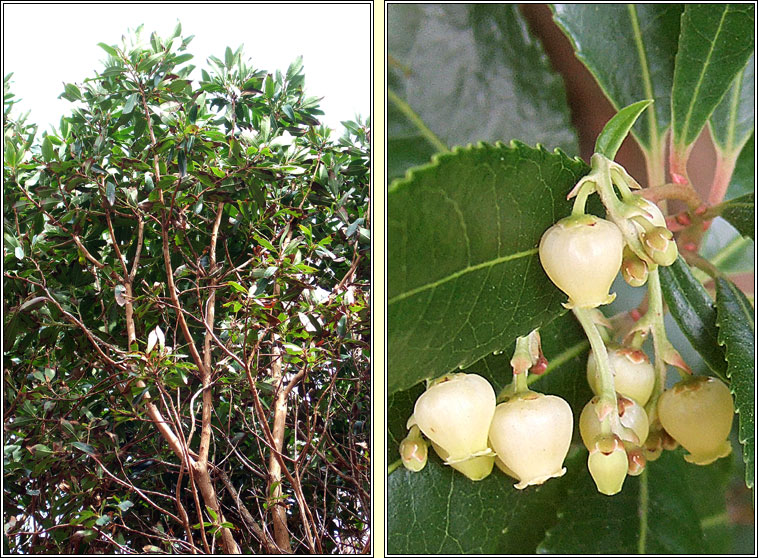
x=725, y=163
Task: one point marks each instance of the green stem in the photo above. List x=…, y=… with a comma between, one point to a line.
x=394, y=466
x=601, y=171
x=670, y=191
x=655, y=316
x=581, y=201
x=519, y=381
x=606, y=388
x=411, y=115
x=644, y=502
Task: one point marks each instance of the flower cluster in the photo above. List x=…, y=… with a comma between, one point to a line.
x=632, y=418
x=527, y=436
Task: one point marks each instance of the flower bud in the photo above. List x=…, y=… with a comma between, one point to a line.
x=582, y=256
x=653, y=445
x=633, y=269
x=637, y=461
x=455, y=413
x=633, y=374
x=632, y=417
x=647, y=211
x=531, y=434
x=608, y=465
x=660, y=245
x=698, y=413
x=414, y=450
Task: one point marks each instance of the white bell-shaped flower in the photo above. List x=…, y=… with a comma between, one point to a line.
x=582, y=256
x=455, y=413
x=531, y=434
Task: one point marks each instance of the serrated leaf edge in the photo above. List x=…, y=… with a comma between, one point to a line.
x=721, y=341
x=438, y=158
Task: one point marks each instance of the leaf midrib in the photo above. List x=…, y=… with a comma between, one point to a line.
x=647, y=83
x=461, y=273
x=694, y=97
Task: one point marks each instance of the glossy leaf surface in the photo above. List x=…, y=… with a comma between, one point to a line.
x=615, y=131
x=630, y=50
x=464, y=277
x=740, y=212
x=715, y=44
x=733, y=120
x=736, y=325
x=694, y=311
x=659, y=514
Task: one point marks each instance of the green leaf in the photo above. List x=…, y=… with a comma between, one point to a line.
x=715, y=44
x=182, y=58
x=458, y=74
x=48, y=152
x=269, y=86
x=295, y=67
x=743, y=177
x=464, y=273
x=9, y=153
x=110, y=192
x=237, y=287
x=727, y=249
x=617, y=128
x=630, y=49
x=86, y=448
x=125, y=505
x=694, y=311
x=109, y=49
x=130, y=103
x=740, y=212
x=228, y=58
x=41, y=450
x=737, y=334
x=72, y=91
x=732, y=121
x=439, y=511
x=287, y=110
x=265, y=243
x=660, y=512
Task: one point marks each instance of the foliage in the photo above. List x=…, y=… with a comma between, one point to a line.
x=464, y=278
x=186, y=300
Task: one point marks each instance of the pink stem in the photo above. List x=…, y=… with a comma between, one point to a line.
x=725, y=163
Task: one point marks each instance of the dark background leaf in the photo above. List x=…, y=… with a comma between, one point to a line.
x=740, y=212
x=469, y=73
x=743, y=178
x=679, y=497
x=439, y=511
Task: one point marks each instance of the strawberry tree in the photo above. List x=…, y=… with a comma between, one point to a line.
x=185, y=290
x=618, y=291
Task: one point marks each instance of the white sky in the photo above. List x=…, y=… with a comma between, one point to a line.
x=48, y=44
